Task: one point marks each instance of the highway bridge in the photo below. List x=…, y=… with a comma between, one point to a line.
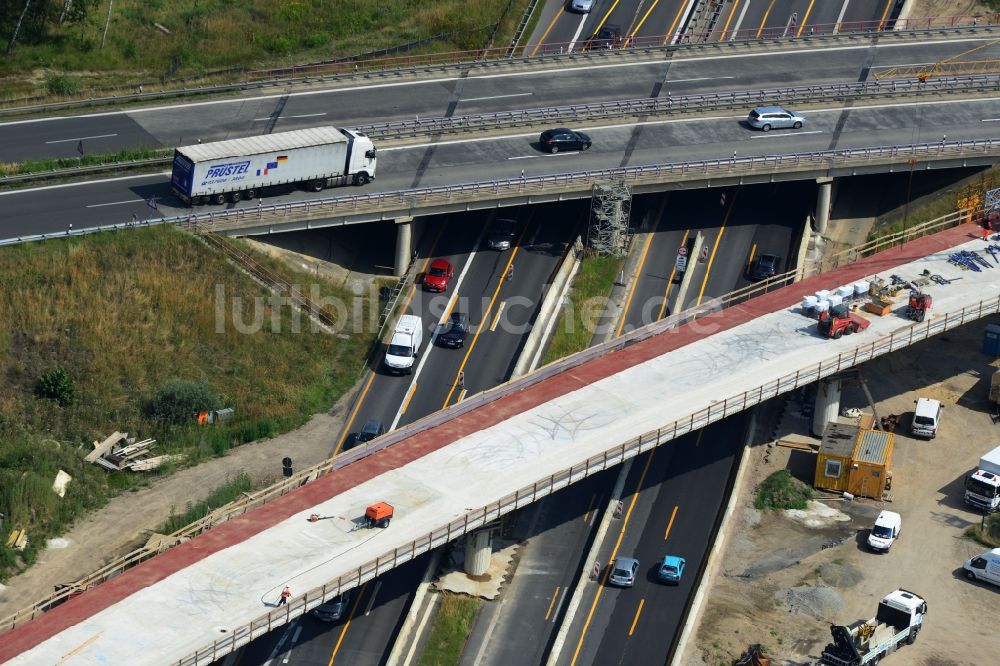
x=460, y=470
x=553, y=82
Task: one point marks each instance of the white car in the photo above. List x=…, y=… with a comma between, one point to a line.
x=582, y=6
x=885, y=531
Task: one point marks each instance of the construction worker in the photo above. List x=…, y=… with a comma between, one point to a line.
x=285, y=594
x=986, y=230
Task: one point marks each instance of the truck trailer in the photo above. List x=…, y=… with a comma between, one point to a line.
x=897, y=622
x=244, y=168
x=982, y=487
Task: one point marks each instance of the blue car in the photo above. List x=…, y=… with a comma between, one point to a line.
x=671, y=569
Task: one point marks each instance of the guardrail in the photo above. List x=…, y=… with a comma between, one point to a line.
x=547, y=55
x=279, y=489
x=646, y=107
x=615, y=455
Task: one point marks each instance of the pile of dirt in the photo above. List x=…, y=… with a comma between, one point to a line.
x=820, y=601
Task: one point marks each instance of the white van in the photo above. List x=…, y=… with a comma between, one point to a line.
x=984, y=567
x=404, y=345
x=926, y=418
x=885, y=531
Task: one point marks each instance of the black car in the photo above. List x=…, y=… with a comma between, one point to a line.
x=454, y=332
x=561, y=138
x=608, y=37
x=501, y=235
x=369, y=431
x=765, y=266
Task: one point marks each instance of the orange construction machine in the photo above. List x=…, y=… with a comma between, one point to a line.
x=919, y=305
x=378, y=515
x=841, y=321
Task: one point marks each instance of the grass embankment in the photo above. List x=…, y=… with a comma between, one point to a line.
x=230, y=491
x=588, y=298
x=451, y=629
x=149, y=40
x=125, y=331
x=781, y=490
x=987, y=532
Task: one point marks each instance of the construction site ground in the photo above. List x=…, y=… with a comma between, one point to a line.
x=782, y=580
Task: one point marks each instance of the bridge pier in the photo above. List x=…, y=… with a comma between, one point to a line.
x=827, y=404
x=478, y=551
x=404, y=245
x=823, y=204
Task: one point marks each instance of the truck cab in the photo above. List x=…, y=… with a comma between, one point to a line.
x=982, y=487
x=926, y=418
x=898, y=620
x=404, y=345
x=362, y=157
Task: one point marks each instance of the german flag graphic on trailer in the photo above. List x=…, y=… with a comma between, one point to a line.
x=280, y=159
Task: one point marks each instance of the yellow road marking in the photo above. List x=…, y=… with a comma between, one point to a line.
x=552, y=603
x=670, y=281
x=614, y=554
x=635, y=620
x=763, y=21
x=343, y=632
x=635, y=283
x=888, y=6
x=729, y=20
x=715, y=248
x=590, y=506
x=546, y=33
x=753, y=251
x=670, y=524
x=673, y=24
x=409, y=397
x=805, y=18
x=354, y=413
x=496, y=318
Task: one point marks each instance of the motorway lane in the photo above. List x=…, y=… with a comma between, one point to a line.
x=477, y=93
x=51, y=209
x=795, y=18
x=671, y=501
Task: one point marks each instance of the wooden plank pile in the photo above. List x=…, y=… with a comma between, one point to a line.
x=118, y=452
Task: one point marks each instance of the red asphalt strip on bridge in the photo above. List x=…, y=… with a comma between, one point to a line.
x=253, y=522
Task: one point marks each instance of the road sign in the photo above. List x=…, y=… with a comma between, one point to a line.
x=704, y=253
x=681, y=263
x=682, y=251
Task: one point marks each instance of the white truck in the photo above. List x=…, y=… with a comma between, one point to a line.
x=982, y=487
x=897, y=622
x=404, y=344
x=239, y=169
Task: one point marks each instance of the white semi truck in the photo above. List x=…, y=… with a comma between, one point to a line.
x=897, y=622
x=238, y=169
x=982, y=487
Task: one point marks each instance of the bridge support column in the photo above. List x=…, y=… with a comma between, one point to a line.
x=827, y=404
x=823, y=204
x=478, y=551
x=404, y=245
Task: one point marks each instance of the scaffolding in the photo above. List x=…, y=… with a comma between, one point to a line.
x=610, y=208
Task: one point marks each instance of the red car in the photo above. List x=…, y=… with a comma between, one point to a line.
x=438, y=275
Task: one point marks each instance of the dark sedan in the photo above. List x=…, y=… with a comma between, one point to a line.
x=454, y=332
x=561, y=138
x=765, y=266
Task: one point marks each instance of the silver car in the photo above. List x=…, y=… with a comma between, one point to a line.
x=501, y=235
x=623, y=571
x=766, y=118
x=582, y=6
x=334, y=609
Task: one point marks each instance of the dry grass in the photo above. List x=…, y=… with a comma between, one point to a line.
x=125, y=313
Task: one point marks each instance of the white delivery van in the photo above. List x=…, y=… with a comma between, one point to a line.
x=926, y=418
x=404, y=345
x=885, y=531
x=984, y=567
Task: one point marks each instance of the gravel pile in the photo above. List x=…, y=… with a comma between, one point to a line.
x=819, y=601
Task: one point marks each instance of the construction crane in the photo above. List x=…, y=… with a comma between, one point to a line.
x=952, y=66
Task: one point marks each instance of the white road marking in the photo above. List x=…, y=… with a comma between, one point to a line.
x=523, y=157
x=305, y=115
x=840, y=17
x=281, y=642
x=479, y=99
x=395, y=84
x=576, y=35
x=371, y=600
x=82, y=138
x=115, y=203
x=771, y=135
x=739, y=21
x=86, y=182
x=700, y=78
x=295, y=637
x=990, y=120
x=902, y=64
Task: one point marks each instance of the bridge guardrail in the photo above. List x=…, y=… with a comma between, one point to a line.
x=615, y=455
x=701, y=103
x=435, y=63
x=281, y=488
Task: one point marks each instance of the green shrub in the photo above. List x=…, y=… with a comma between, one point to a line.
x=56, y=385
x=782, y=491
x=179, y=401
x=60, y=84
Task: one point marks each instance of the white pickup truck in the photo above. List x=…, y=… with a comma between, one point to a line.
x=897, y=622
